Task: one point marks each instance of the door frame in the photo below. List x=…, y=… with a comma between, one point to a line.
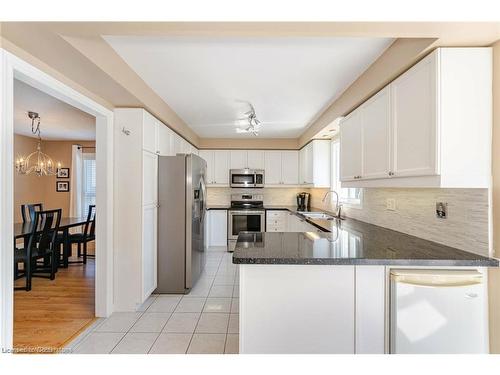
x=12, y=67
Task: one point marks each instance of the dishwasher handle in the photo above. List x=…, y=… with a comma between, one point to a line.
x=438, y=278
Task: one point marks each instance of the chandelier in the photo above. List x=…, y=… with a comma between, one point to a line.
x=37, y=163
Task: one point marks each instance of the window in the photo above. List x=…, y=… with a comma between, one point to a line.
x=88, y=182
x=351, y=197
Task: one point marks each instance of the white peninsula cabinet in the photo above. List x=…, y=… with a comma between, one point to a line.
x=431, y=127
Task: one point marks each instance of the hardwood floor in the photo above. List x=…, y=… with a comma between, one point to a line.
x=53, y=312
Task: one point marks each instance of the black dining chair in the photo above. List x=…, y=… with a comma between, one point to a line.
x=28, y=211
x=27, y=214
x=41, y=245
x=86, y=236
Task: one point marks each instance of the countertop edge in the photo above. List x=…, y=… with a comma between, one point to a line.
x=369, y=262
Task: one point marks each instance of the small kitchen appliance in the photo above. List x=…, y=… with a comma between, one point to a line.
x=303, y=201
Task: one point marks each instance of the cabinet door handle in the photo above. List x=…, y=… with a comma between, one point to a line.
x=391, y=173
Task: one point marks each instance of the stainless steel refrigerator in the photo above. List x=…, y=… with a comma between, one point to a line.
x=181, y=222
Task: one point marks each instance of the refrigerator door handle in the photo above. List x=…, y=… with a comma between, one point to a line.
x=204, y=199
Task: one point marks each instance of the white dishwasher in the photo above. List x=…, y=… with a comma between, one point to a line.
x=438, y=312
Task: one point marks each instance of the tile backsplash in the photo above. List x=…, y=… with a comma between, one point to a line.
x=272, y=196
x=465, y=228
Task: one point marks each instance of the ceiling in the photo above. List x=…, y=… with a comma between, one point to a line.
x=210, y=81
x=93, y=68
x=59, y=121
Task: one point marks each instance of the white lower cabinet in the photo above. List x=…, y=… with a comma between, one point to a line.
x=286, y=221
x=276, y=221
x=216, y=228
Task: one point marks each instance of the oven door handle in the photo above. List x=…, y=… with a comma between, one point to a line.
x=246, y=212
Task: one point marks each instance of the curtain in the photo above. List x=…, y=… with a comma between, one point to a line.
x=88, y=182
x=75, y=206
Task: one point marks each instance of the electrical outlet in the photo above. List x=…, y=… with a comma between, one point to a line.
x=390, y=204
x=441, y=210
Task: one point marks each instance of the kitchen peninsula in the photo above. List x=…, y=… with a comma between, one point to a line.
x=330, y=292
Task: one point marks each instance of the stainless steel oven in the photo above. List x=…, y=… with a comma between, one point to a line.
x=246, y=178
x=247, y=214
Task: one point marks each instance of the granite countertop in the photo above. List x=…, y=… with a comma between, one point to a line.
x=350, y=242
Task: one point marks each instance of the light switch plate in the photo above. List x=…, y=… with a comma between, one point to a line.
x=390, y=204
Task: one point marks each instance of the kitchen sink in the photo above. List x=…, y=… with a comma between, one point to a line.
x=317, y=215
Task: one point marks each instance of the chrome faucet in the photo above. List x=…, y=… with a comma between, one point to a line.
x=338, y=206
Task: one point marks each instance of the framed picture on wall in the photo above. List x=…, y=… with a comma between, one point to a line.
x=62, y=186
x=62, y=172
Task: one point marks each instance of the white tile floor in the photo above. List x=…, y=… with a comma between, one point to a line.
x=204, y=321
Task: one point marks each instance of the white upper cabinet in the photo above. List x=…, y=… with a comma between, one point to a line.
x=185, y=146
x=208, y=156
x=241, y=159
x=161, y=140
x=376, y=131
x=221, y=167
x=315, y=164
x=238, y=159
x=272, y=167
x=149, y=133
x=217, y=166
x=281, y=167
x=306, y=164
x=438, y=133
x=351, y=147
x=255, y=159
x=164, y=140
x=414, y=120
x=176, y=144
x=290, y=167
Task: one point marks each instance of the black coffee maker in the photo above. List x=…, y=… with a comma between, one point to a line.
x=303, y=201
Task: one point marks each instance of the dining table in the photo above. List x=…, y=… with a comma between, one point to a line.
x=24, y=229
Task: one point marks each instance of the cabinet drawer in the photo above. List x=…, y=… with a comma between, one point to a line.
x=276, y=214
x=275, y=228
x=276, y=220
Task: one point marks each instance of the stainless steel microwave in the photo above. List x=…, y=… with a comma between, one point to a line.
x=246, y=178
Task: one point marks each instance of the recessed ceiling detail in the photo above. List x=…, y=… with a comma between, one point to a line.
x=289, y=81
x=60, y=120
